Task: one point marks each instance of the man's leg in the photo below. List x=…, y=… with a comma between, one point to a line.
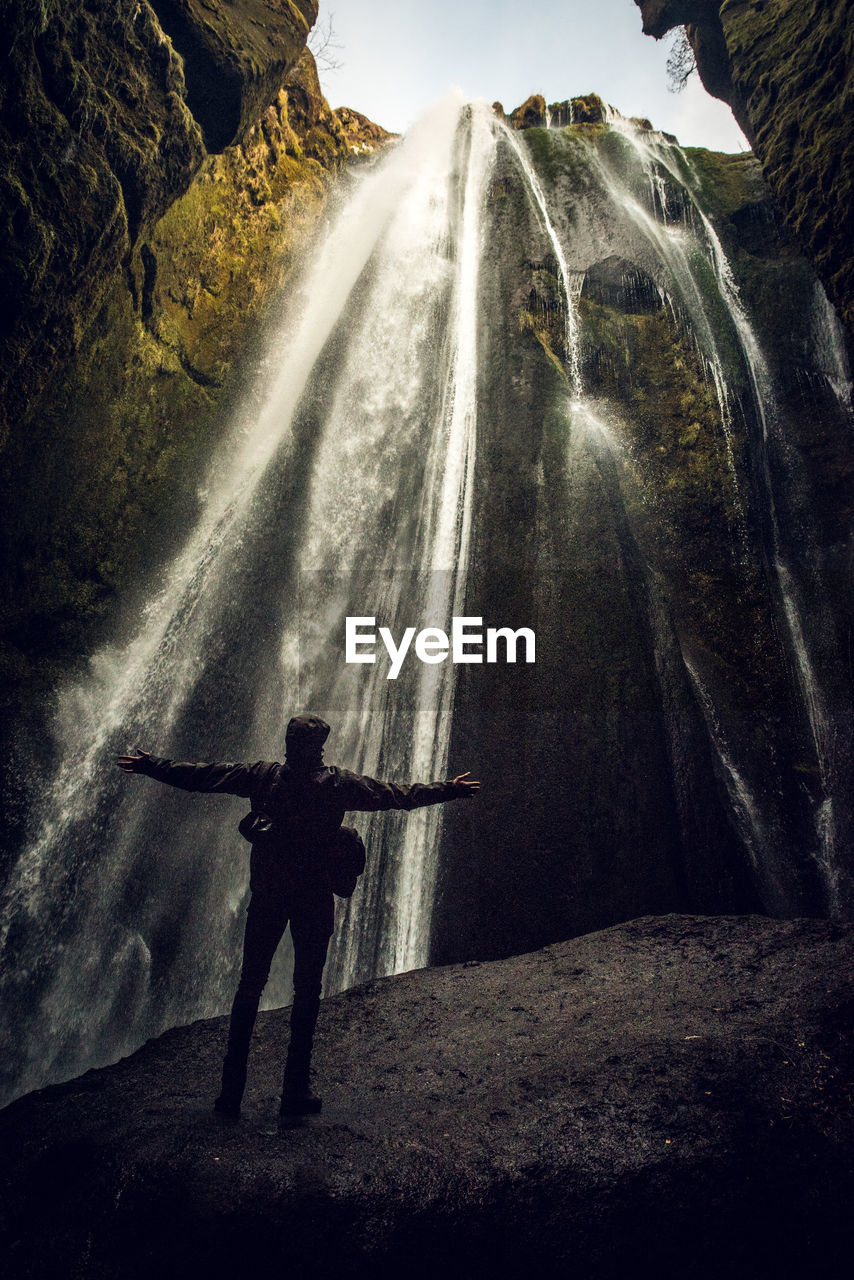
x=311, y=934
x=265, y=925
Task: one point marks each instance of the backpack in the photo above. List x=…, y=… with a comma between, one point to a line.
x=345, y=854
x=346, y=860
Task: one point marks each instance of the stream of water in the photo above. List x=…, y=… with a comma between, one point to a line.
x=348, y=487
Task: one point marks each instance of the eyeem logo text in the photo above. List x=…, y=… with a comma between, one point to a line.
x=433, y=645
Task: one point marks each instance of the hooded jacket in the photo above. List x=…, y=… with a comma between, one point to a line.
x=306, y=798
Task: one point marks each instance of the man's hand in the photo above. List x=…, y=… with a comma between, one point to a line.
x=466, y=788
x=135, y=764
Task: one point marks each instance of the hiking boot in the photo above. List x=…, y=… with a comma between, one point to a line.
x=297, y=1097
x=299, y=1101
x=226, y=1106
x=231, y=1089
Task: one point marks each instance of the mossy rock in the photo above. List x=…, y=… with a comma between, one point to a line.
x=140, y=406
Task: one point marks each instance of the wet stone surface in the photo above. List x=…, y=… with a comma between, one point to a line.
x=676, y=1088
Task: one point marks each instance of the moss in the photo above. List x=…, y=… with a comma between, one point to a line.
x=97, y=142
x=559, y=153
x=140, y=406
x=588, y=109
x=539, y=143
x=678, y=476
x=790, y=65
x=229, y=243
x=537, y=325
x=723, y=183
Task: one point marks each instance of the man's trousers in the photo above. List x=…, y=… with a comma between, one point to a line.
x=311, y=916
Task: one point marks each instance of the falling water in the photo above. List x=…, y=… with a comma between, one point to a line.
x=421, y=576
x=813, y=698
x=571, y=319
x=364, y=478
x=828, y=342
x=660, y=165
x=108, y=913
x=676, y=248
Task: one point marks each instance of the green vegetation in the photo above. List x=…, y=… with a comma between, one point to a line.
x=678, y=481
x=723, y=183
x=560, y=154
x=103, y=466
x=229, y=243
x=544, y=318
x=790, y=66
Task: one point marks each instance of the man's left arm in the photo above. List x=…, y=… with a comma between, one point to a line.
x=366, y=794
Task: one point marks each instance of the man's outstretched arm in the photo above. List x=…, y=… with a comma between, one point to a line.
x=226, y=778
x=371, y=795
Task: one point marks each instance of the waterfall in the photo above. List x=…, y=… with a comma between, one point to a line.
x=421, y=577
x=793, y=611
x=660, y=163
x=676, y=248
x=108, y=916
x=571, y=320
x=828, y=342
x=419, y=446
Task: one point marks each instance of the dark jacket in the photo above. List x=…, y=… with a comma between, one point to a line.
x=307, y=804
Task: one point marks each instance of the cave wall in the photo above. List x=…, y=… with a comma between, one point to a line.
x=98, y=142
x=138, y=262
x=235, y=57
x=97, y=124
x=787, y=71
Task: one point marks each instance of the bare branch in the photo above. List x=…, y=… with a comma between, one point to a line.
x=323, y=44
x=681, y=63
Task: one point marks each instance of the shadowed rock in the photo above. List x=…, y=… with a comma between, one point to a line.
x=674, y=1089
x=107, y=111
x=236, y=57
x=617, y=283
x=783, y=70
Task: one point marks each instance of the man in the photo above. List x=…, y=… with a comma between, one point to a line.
x=289, y=879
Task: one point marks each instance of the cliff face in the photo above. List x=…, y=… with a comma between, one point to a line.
x=135, y=264
x=691, y=506
x=100, y=141
x=786, y=70
x=107, y=110
x=235, y=57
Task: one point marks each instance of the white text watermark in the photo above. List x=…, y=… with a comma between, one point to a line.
x=465, y=643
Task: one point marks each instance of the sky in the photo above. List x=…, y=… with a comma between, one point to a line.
x=399, y=56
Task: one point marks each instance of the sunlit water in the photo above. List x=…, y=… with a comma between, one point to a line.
x=347, y=488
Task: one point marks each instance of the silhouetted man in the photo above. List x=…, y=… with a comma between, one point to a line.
x=290, y=881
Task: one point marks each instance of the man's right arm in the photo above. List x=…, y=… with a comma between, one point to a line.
x=226, y=778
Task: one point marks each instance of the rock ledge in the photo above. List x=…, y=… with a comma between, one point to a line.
x=675, y=1089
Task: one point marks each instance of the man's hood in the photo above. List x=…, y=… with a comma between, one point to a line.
x=304, y=740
